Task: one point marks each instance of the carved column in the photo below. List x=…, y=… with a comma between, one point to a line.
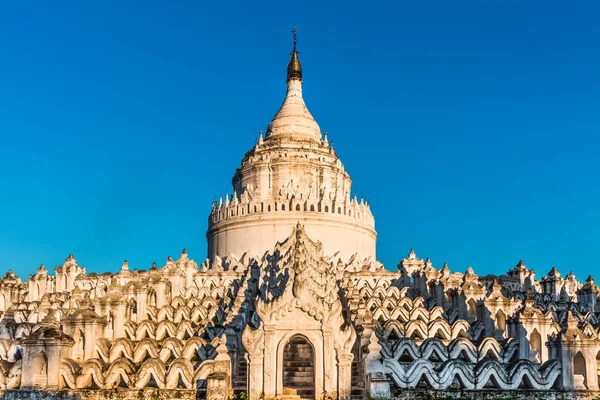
x=161, y=289
x=142, y=302
x=270, y=362
x=591, y=367
x=378, y=384
x=233, y=345
x=524, y=344
x=190, y=269
x=217, y=386
x=218, y=382
x=567, y=370
x=255, y=376
x=345, y=375
x=119, y=319
x=329, y=369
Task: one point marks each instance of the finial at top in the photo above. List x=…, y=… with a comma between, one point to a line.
x=294, y=32
x=294, y=69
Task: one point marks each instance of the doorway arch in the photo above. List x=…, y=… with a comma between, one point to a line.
x=501, y=321
x=579, y=371
x=471, y=310
x=40, y=370
x=536, y=345
x=299, y=368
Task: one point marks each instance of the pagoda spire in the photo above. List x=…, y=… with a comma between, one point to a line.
x=293, y=120
x=294, y=69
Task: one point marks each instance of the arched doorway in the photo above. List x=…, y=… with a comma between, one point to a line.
x=536, y=345
x=299, y=368
x=79, y=347
x=579, y=372
x=501, y=322
x=471, y=310
x=40, y=370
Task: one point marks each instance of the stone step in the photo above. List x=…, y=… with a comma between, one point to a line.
x=293, y=352
x=300, y=369
x=303, y=393
x=303, y=381
x=300, y=361
x=298, y=373
x=298, y=379
x=305, y=387
x=297, y=364
x=299, y=357
x=299, y=352
x=301, y=389
x=241, y=380
x=306, y=371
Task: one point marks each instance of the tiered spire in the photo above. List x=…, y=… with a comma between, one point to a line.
x=293, y=120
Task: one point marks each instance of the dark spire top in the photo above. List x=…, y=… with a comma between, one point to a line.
x=294, y=69
x=294, y=32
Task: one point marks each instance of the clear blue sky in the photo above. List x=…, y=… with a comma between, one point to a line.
x=472, y=127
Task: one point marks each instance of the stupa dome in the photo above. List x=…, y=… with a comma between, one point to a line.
x=293, y=175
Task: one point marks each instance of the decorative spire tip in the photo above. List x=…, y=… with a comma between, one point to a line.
x=294, y=69
x=295, y=37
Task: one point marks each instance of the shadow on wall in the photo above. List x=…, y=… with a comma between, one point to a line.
x=36, y=394
x=114, y=394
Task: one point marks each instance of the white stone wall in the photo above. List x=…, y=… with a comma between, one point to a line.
x=255, y=234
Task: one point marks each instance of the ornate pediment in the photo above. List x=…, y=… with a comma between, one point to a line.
x=296, y=275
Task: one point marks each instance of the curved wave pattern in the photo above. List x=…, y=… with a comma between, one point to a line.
x=487, y=373
x=424, y=344
x=435, y=350
x=123, y=372
x=167, y=347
